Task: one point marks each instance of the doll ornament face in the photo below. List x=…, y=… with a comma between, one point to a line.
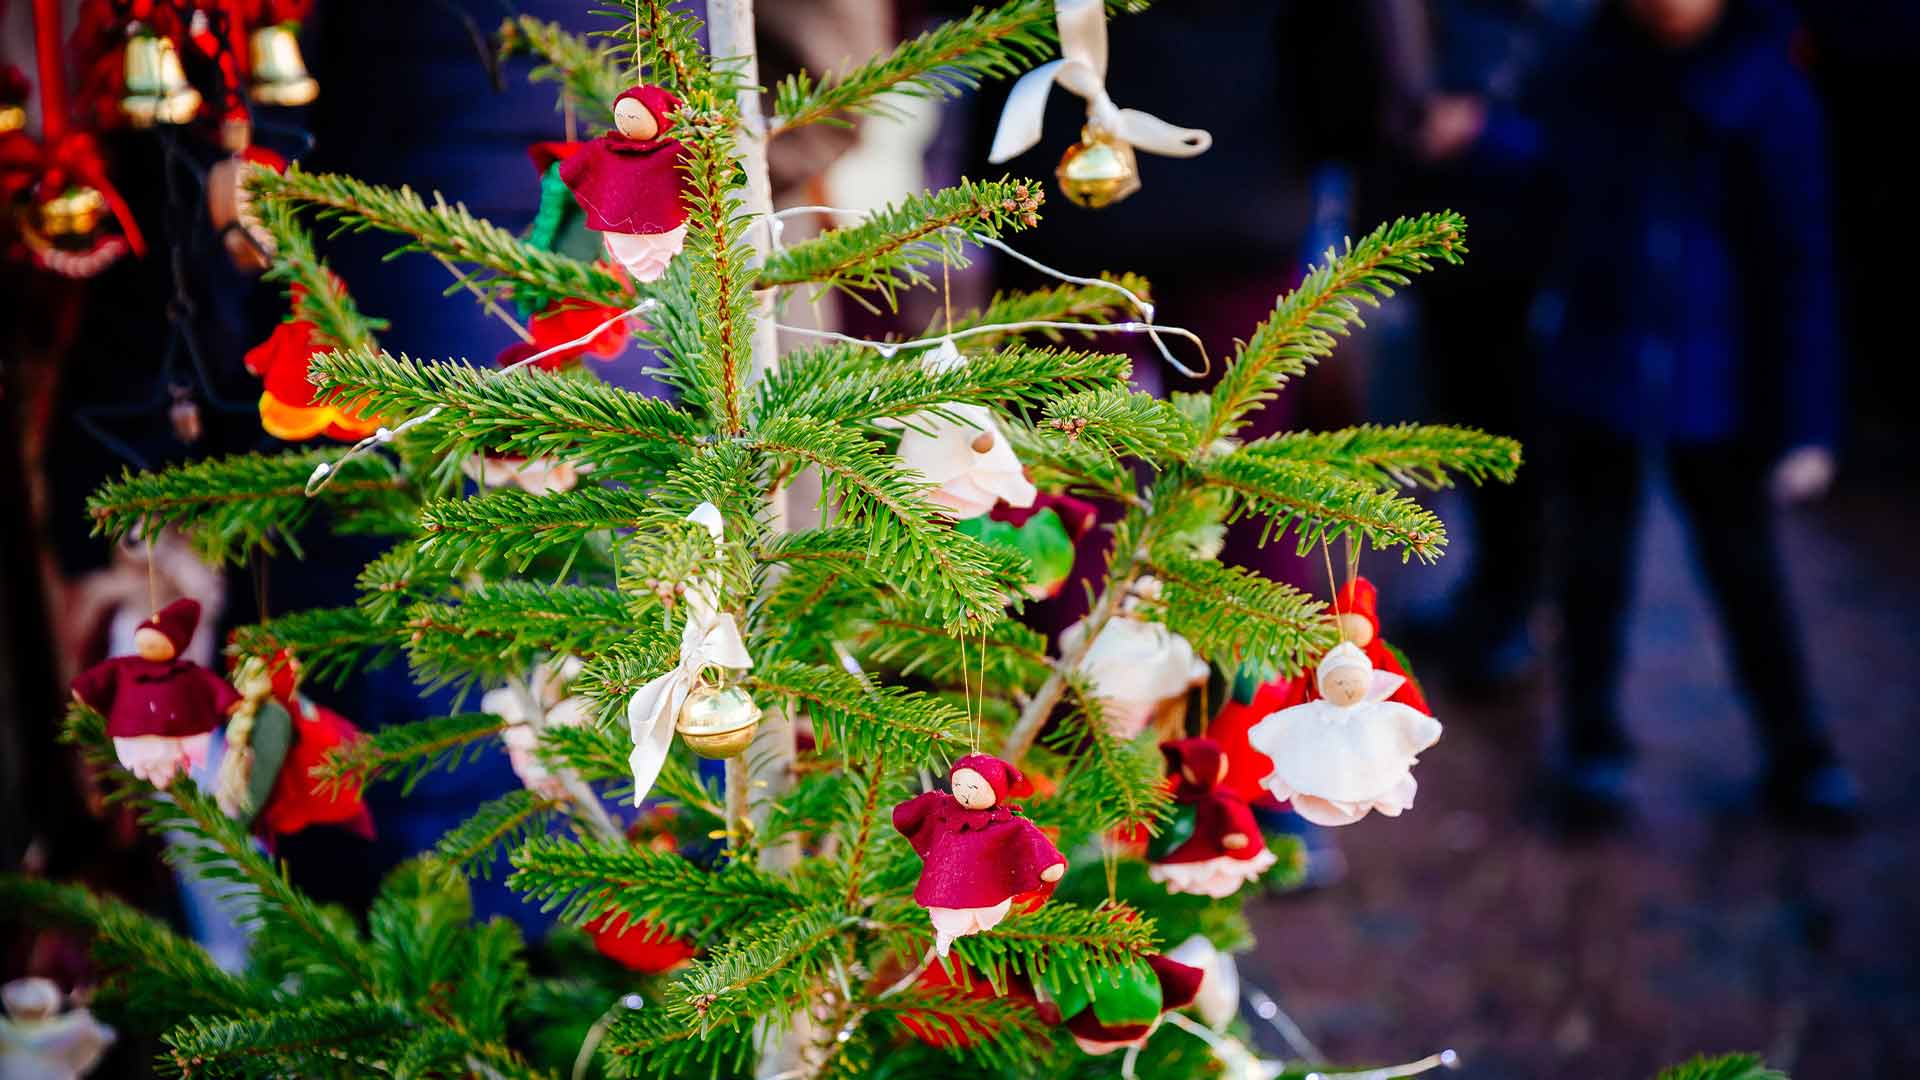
x=971, y=790
x=634, y=121
x=1354, y=627
x=153, y=645
x=1346, y=685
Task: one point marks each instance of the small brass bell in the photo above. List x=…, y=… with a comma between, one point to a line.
x=718, y=721
x=157, y=88
x=1097, y=171
x=279, y=72
x=72, y=214
x=12, y=118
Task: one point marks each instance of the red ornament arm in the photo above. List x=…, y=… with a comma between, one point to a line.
x=94, y=686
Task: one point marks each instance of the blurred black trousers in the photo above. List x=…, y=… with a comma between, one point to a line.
x=1721, y=489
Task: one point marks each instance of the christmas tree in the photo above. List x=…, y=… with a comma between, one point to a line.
x=843, y=654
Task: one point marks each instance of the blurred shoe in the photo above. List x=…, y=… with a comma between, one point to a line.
x=1822, y=796
x=1590, y=791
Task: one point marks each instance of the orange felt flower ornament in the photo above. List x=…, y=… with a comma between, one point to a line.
x=287, y=406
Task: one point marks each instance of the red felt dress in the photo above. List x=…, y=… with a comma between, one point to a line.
x=631, y=188
x=1192, y=855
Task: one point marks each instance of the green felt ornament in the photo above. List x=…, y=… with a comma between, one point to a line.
x=1133, y=997
x=1043, y=539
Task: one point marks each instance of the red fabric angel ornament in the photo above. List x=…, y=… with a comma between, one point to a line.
x=943, y=1030
x=1213, y=845
x=980, y=854
x=567, y=320
x=160, y=708
x=300, y=799
x=628, y=181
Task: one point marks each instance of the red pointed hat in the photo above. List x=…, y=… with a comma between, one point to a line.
x=1005, y=780
x=1202, y=753
x=1359, y=597
x=177, y=621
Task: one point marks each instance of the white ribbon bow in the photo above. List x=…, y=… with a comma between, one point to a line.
x=711, y=637
x=1082, y=69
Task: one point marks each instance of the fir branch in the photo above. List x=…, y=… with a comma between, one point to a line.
x=1724, y=1067
x=309, y=1037
x=886, y=250
x=171, y=976
x=1121, y=422
x=649, y=1043
x=1405, y=454
x=323, y=299
x=475, y=845
x=590, y=75
x=1062, y=303
x=947, y=569
x=408, y=752
x=847, y=385
x=600, y=754
x=516, y=525
x=585, y=880
x=1014, y=655
x=862, y=721
x=1111, y=783
x=500, y=629
x=1324, y=507
x=449, y=231
x=232, y=505
x=1079, y=941
x=719, y=264
x=528, y=413
x=763, y=970
x=660, y=44
x=1326, y=302
x=1054, y=463
x=330, y=643
x=942, y=63
x=1232, y=616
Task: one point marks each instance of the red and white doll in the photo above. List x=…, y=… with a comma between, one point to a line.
x=1213, y=844
x=1350, y=752
x=1356, y=615
x=979, y=853
x=629, y=183
x=161, y=709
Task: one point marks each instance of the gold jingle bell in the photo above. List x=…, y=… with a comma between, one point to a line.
x=279, y=72
x=12, y=118
x=1097, y=171
x=157, y=88
x=73, y=214
x=718, y=721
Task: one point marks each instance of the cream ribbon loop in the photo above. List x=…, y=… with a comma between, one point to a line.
x=711, y=638
x=1082, y=69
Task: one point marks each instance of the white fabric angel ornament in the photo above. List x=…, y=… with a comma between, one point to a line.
x=961, y=451
x=538, y=703
x=39, y=1042
x=1350, y=752
x=1135, y=666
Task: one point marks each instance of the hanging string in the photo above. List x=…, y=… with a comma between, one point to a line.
x=1110, y=865
x=153, y=586
x=486, y=299
x=324, y=472
x=1333, y=590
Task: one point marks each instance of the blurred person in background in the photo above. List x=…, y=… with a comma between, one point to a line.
x=1689, y=324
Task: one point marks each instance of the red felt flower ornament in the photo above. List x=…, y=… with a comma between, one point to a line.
x=288, y=409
